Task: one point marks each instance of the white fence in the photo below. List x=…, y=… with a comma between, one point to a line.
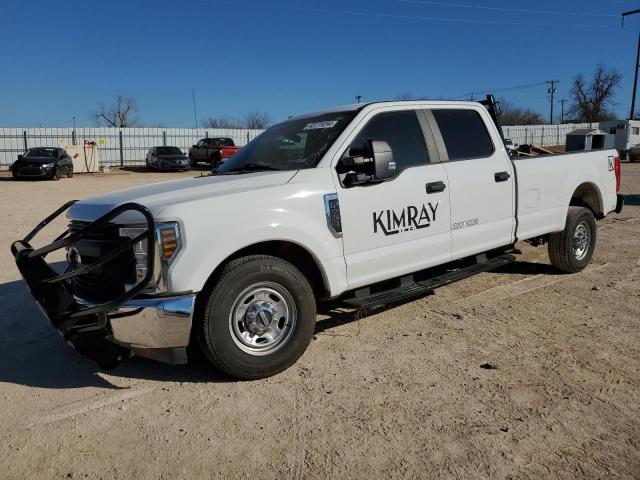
x=542, y=135
x=127, y=146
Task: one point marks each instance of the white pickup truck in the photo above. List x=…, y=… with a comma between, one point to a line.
x=366, y=204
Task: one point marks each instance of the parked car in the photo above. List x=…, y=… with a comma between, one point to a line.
x=167, y=158
x=43, y=162
x=212, y=150
x=367, y=205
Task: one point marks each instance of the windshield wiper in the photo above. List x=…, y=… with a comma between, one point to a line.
x=250, y=167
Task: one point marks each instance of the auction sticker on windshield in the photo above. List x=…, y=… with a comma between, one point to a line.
x=323, y=124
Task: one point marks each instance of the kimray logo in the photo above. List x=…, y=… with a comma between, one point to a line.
x=410, y=218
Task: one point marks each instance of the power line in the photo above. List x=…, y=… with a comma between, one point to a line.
x=506, y=9
x=406, y=17
x=506, y=89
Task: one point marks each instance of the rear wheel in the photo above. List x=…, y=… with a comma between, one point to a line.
x=571, y=250
x=259, y=317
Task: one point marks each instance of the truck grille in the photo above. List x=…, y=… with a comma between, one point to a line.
x=108, y=281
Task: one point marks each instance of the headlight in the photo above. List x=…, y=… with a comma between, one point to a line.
x=167, y=246
x=48, y=165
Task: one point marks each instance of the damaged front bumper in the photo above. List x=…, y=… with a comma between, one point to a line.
x=153, y=326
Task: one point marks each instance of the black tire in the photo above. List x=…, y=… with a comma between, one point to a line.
x=56, y=175
x=567, y=252
x=70, y=173
x=192, y=162
x=215, y=328
x=633, y=158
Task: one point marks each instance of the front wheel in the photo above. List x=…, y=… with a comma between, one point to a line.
x=259, y=317
x=56, y=174
x=571, y=249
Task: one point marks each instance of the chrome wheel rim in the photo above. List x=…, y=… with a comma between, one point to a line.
x=262, y=318
x=581, y=240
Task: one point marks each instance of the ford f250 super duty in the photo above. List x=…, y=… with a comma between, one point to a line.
x=369, y=204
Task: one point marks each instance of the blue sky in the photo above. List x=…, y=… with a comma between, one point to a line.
x=286, y=57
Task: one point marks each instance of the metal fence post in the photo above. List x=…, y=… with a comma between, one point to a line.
x=24, y=137
x=121, y=150
x=248, y=137
x=164, y=138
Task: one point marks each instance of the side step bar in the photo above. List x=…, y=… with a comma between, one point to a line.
x=408, y=290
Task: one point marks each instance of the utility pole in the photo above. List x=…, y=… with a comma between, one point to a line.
x=635, y=67
x=562, y=102
x=551, y=91
x=195, y=113
x=358, y=98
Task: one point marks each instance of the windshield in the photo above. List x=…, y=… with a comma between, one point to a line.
x=291, y=145
x=226, y=142
x=169, y=151
x=41, y=152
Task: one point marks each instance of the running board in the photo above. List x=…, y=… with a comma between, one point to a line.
x=408, y=289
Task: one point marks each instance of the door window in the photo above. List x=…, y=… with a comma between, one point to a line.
x=401, y=130
x=464, y=133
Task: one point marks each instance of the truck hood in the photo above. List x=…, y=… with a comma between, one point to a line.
x=159, y=195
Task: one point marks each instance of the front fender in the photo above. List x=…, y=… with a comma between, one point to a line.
x=213, y=233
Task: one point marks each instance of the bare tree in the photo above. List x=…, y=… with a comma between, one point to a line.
x=257, y=119
x=222, y=122
x=512, y=115
x=592, y=101
x=120, y=114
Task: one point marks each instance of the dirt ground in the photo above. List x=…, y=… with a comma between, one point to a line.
x=399, y=393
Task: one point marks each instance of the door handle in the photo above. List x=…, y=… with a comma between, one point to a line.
x=501, y=176
x=435, y=187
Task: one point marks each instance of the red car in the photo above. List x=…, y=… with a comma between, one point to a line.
x=212, y=150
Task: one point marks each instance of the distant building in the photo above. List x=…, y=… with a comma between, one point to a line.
x=589, y=139
x=627, y=133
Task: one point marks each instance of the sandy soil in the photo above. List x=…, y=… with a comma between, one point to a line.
x=399, y=393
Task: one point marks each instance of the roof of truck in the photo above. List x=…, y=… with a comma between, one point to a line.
x=360, y=106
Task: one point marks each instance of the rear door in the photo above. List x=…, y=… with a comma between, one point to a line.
x=481, y=180
x=401, y=225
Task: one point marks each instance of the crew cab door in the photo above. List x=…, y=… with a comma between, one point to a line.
x=481, y=179
x=199, y=150
x=400, y=225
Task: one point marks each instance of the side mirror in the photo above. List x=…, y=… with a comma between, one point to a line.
x=20, y=157
x=380, y=152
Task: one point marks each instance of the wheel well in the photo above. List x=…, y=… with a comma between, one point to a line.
x=291, y=252
x=588, y=196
